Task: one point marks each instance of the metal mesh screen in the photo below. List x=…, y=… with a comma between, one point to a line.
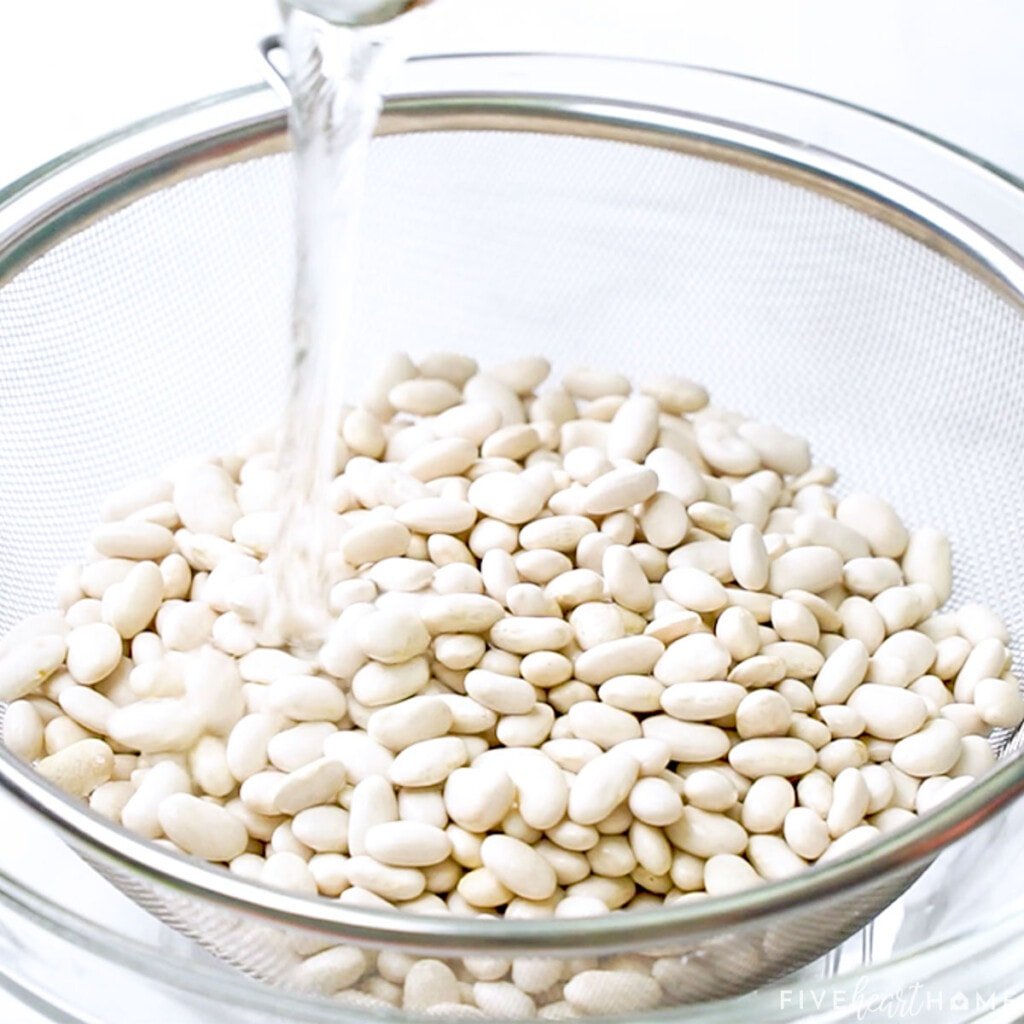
x=162, y=330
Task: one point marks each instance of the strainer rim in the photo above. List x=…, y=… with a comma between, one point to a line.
x=32, y=178
x=914, y=845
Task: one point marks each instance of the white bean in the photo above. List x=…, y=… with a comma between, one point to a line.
x=693, y=658
x=768, y=801
x=725, y=873
x=131, y=605
x=889, y=712
x=428, y=762
x=402, y=724
x=478, y=798
x=931, y=751
x=628, y=655
x=695, y=589
x=601, y=785
x=93, y=652
x=850, y=800
x=806, y=833
x=407, y=844
x=155, y=725
x=311, y=784
x=202, y=828
x=620, y=488
x=704, y=834
x=700, y=701
x=29, y=664
x=998, y=702
x=986, y=660
x=773, y=859
x=774, y=755
x=80, y=767
x=518, y=867
x=814, y=568
x=842, y=672
x=627, y=584
x=975, y=622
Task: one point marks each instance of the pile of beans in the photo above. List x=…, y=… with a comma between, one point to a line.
x=593, y=650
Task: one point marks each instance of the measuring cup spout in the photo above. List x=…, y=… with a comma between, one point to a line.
x=354, y=12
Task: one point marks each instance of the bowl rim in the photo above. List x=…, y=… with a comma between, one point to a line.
x=204, y=979
x=249, y=122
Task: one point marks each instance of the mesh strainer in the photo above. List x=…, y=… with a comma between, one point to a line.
x=529, y=204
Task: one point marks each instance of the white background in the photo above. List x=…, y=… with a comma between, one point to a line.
x=70, y=70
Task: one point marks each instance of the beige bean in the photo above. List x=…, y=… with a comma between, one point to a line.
x=79, y=767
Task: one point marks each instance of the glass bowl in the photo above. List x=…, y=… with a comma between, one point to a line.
x=811, y=262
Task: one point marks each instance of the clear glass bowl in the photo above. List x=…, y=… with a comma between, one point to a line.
x=615, y=212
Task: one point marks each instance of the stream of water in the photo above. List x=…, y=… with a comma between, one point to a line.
x=335, y=81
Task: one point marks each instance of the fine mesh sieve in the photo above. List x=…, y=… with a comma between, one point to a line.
x=144, y=311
